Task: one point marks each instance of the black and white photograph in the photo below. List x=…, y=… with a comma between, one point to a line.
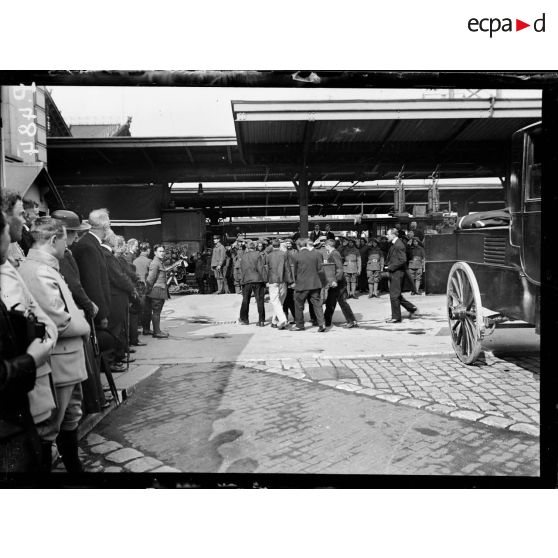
x=272, y=278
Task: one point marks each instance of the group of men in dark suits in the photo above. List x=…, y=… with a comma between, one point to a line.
x=299, y=271
x=303, y=272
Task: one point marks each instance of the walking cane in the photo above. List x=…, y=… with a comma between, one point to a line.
x=127, y=326
x=104, y=363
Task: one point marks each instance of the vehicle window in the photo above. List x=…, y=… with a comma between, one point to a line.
x=533, y=169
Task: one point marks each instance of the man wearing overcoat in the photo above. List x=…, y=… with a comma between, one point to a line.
x=396, y=265
x=41, y=273
x=92, y=265
x=253, y=281
x=308, y=266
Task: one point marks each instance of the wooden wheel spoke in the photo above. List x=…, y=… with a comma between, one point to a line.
x=470, y=329
x=468, y=296
x=464, y=338
x=459, y=277
x=459, y=333
x=455, y=293
x=464, y=312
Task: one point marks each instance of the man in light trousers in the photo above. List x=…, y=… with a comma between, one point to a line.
x=279, y=274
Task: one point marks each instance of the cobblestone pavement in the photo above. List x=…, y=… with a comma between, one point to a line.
x=115, y=458
x=499, y=392
x=392, y=416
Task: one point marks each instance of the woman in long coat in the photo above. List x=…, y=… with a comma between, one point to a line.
x=156, y=284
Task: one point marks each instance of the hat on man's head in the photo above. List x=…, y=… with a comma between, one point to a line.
x=71, y=220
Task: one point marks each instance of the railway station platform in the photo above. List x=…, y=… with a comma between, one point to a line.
x=204, y=328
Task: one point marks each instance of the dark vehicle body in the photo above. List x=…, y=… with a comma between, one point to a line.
x=492, y=274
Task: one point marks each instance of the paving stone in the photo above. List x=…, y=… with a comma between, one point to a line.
x=466, y=415
x=113, y=469
x=416, y=403
x=166, y=469
x=527, y=400
x=322, y=373
x=531, y=429
x=498, y=422
x=106, y=447
x=143, y=464
x=283, y=372
x=122, y=455
x=495, y=413
x=94, y=439
x=370, y=391
x=391, y=397
x=309, y=364
x=347, y=386
x=331, y=383
x=344, y=373
x=439, y=408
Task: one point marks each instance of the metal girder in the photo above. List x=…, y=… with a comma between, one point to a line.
x=148, y=159
x=190, y=156
x=307, y=139
x=399, y=109
x=103, y=156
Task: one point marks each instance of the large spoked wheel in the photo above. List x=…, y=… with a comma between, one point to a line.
x=465, y=313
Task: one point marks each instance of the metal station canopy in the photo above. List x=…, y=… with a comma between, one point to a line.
x=306, y=141
x=337, y=198
x=336, y=140
x=372, y=140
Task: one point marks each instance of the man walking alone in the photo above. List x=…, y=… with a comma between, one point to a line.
x=396, y=264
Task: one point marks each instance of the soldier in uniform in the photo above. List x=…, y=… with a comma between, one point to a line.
x=416, y=264
x=352, y=265
x=217, y=263
x=374, y=266
x=237, y=275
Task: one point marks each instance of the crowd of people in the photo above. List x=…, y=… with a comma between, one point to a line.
x=362, y=260
x=74, y=296
x=283, y=269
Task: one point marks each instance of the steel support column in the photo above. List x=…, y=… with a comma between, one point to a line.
x=303, y=191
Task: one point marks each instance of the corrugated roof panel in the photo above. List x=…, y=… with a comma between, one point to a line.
x=425, y=130
x=273, y=131
x=93, y=130
x=493, y=129
x=337, y=131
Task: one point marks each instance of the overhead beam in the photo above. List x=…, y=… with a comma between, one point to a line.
x=303, y=192
x=148, y=159
x=103, y=156
x=190, y=156
x=307, y=140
